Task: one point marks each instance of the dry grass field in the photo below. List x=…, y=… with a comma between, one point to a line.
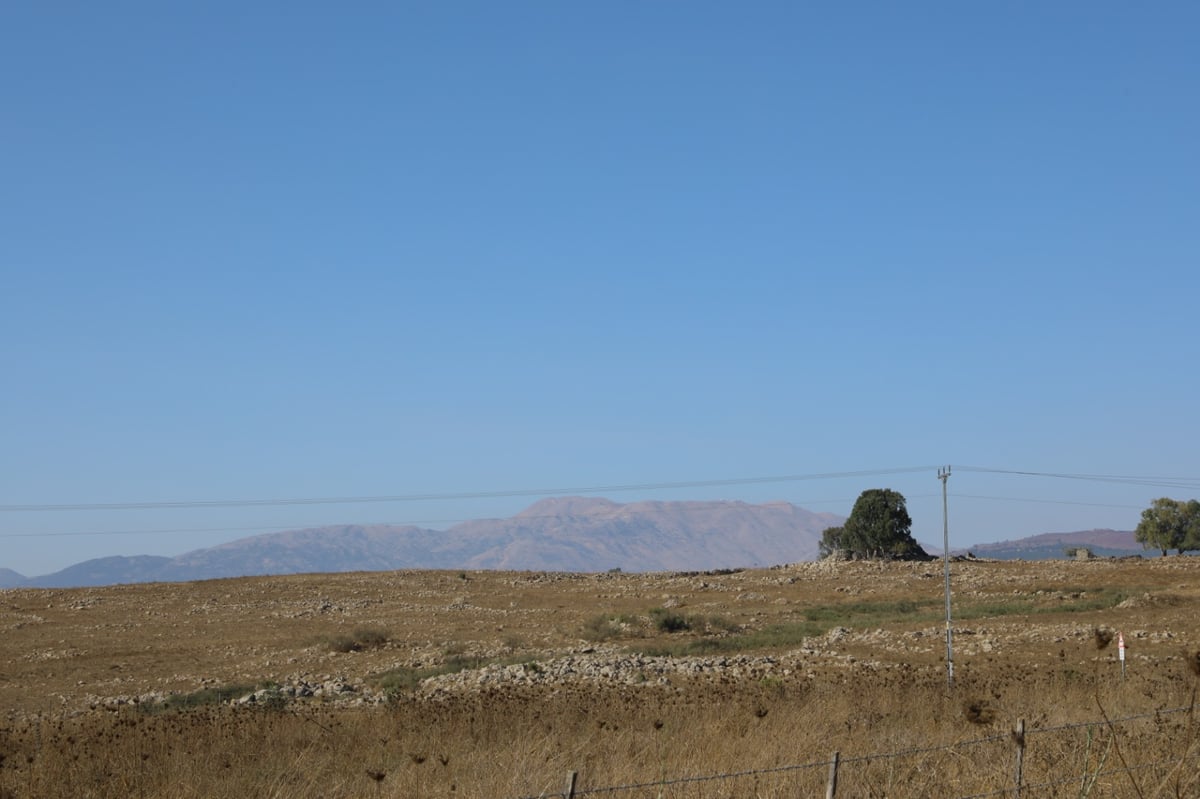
x=498, y=684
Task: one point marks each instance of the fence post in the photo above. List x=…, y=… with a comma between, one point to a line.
x=831, y=786
x=570, y=792
x=1019, y=737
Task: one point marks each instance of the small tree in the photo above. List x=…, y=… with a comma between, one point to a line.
x=1170, y=524
x=879, y=527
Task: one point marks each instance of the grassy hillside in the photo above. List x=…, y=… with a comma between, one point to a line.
x=499, y=683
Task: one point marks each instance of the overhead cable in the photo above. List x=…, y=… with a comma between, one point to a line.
x=523, y=492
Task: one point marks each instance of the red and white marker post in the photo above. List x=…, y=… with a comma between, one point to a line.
x=1121, y=652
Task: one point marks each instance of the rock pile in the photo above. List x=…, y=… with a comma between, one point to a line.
x=586, y=666
x=620, y=669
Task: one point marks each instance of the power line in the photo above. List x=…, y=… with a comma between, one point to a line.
x=311, y=525
x=1049, y=501
x=263, y=528
x=269, y=528
x=1160, y=482
x=523, y=492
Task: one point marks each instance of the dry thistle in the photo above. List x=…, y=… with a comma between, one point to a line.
x=1103, y=637
x=978, y=711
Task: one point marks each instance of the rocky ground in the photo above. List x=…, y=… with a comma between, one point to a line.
x=337, y=638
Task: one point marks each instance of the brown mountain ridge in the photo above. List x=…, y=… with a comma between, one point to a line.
x=565, y=534
x=580, y=534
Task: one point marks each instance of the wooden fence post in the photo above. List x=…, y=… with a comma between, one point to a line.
x=570, y=792
x=831, y=786
x=1019, y=737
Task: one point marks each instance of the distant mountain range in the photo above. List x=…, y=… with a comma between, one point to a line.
x=561, y=534
x=1048, y=546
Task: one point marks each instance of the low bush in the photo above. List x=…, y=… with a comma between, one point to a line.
x=403, y=679
x=668, y=621
x=362, y=638
x=205, y=697
x=778, y=636
x=602, y=628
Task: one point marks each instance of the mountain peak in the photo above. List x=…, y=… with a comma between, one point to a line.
x=567, y=506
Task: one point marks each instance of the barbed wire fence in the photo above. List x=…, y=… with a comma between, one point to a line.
x=1087, y=758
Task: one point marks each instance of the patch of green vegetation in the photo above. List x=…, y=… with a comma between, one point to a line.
x=1095, y=600
x=721, y=624
x=668, y=621
x=205, y=697
x=356, y=641
x=719, y=635
x=783, y=635
x=405, y=678
x=851, y=614
x=602, y=628
x=723, y=636
x=984, y=610
x=1090, y=599
x=697, y=646
x=611, y=626
x=1063, y=589
x=778, y=636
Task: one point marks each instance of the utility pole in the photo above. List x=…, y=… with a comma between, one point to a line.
x=944, y=476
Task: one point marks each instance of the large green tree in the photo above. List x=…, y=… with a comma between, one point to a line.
x=831, y=542
x=1191, y=534
x=1170, y=524
x=879, y=527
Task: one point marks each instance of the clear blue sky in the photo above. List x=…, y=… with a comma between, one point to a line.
x=257, y=250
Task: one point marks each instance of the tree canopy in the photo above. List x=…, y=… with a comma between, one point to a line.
x=878, y=527
x=1170, y=524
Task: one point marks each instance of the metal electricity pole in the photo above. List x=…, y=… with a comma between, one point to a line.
x=944, y=476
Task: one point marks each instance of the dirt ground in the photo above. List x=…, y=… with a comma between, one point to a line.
x=66, y=650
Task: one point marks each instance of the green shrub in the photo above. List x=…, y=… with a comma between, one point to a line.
x=217, y=695
x=669, y=622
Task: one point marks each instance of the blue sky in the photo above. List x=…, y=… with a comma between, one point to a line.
x=259, y=250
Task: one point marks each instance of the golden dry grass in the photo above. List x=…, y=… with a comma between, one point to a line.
x=869, y=679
